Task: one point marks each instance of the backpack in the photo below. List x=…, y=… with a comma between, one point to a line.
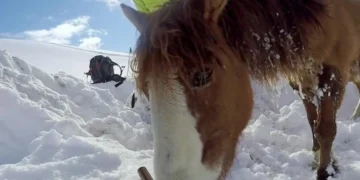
x=102, y=70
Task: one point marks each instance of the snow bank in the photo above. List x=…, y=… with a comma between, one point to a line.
x=59, y=127
x=52, y=58
x=277, y=143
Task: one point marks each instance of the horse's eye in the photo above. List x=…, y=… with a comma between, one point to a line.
x=201, y=78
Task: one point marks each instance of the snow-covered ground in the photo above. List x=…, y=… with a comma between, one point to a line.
x=56, y=126
x=52, y=58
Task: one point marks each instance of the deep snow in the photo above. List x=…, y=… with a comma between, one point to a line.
x=56, y=126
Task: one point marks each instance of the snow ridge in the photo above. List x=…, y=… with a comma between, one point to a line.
x=59, y=127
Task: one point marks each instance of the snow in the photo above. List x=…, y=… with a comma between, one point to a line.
x=54, y=125
x=73, y=60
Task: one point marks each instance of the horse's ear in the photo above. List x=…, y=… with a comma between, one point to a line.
x=213, y=9
x=137, y=18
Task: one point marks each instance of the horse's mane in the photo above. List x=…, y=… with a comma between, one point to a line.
x=269, y=36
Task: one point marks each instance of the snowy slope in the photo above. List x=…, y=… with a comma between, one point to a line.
x=53, y=57
x=58, y=127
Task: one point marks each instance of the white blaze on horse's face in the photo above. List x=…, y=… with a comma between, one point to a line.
x=178, y=147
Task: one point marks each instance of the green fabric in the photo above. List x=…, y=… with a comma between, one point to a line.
x=148, y=6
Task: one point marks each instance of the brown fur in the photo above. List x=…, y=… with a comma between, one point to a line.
x=311, y=42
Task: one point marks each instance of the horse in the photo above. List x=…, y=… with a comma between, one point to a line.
x=195, y=59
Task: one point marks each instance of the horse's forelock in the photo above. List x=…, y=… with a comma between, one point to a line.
x=177, y=37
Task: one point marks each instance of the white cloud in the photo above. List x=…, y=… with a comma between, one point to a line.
x=95, y=32
x=91, y=43
x=62, y=33
x=65, y=33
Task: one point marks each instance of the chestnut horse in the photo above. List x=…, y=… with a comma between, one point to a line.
x=194, y=61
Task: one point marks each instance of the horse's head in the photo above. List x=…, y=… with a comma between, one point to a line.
x=200, y=95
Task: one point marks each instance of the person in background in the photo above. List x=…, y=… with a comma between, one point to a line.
x=148, y=6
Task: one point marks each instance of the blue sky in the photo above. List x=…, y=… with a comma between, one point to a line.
x=89, y=24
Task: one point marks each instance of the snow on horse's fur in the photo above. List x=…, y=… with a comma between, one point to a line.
x=194, y=60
